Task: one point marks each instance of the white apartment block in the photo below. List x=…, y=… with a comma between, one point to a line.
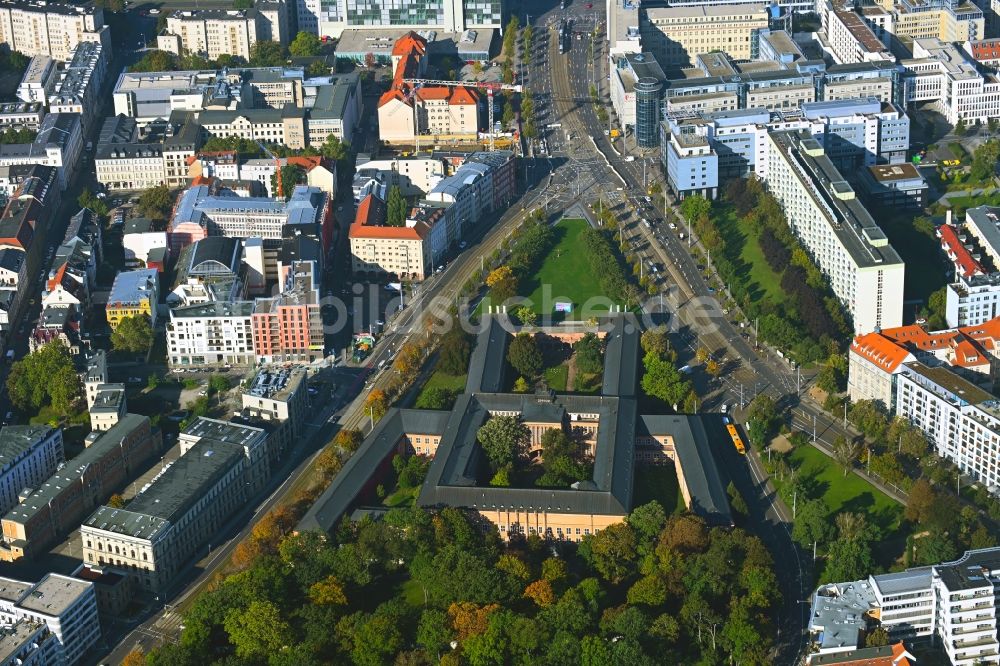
x=212, y=32
x=851, y=39
x=29, y=455
x=36, y=27
x=865, y=272
x=221, y=468
x=414, y=176
x=39, y=79
x=212, y=333
x=942, y=73
x=953, y=603
x=974, y=250
x=27, y=643
x=275, y=21
x=675, y=35
x=59, y=144
x=66, y=605
x=80, y=83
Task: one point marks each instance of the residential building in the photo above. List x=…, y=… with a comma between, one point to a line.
x=21, y=115
x=864, y=271
x=609, y=424
x=228, y=166
x=414, y=176
x=59, y=144
x=675, y=35
x=207, y=270
x=153, y=96
x=852, y=40
x=953, y=603
x=28, y=456
x=974, y=250
x=129, y=166
x=289, y=327
x=35, y=27
x=212, y=333
x=59, y=504
x=378, y=249
x=178, y=149
x=636, y=90
x=895, y=186
x=212, y=32
x=39, y=80
x=79, y=86
x=66, y=606
x=876, y=359
x=275, y=22
x=133, y=293
x=109, y=407
x=221, y=468
x=279, y=397
x=95, y=374
x=28, y=643
x=986, y=52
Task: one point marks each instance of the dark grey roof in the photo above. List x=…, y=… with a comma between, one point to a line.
x=423, y=421
x=300, y=247
x=489, y=358
x=621, y=357
x=973, y=570
x=11, y=259
x=225, y=251
x=697, y=466
x=117, y=129
x=348, y=484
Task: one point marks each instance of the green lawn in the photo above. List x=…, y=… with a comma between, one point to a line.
x=557, y=377
x=748, y=259
x=846, y=493
x=403, y=497
x=588, y=383
x=565, y=273
x=440, y=379
x=761, y=272
x=658, y=482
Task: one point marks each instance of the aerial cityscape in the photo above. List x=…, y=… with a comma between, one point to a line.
x=488, y=332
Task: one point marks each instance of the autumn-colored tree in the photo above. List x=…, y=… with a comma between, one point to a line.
x=329, y=463
x=116, y=501
x=246, y=553
x=349, y=439
x=541, y=593
x=408, y=359
x=469, y=619
x=514, y=565
x=701, y=355
x=712, y=368
x=503, y=284
x=135, y=658
x=328, y=592
x=376, y=404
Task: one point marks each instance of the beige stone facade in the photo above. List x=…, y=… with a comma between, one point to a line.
x=50, y=29
x=212, y=32
x=676, y=35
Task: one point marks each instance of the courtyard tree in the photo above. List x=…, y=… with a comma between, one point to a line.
x=588, y=355
x=504, y=439
x=305, y=44
x=396, y=208
x=44, y=377
x=133, y=334
x=502, y=283
x=155, y=203
x=525, y=355
x=265, y=53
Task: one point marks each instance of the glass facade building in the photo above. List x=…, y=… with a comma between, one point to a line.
x=647, y=112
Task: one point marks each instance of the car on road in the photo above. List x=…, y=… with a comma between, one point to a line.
x=673, y=227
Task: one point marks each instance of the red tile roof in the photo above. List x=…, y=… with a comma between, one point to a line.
x=408, y=44
x=369, y=222
x=880, y=350
x=58, y=277
x=956, y=251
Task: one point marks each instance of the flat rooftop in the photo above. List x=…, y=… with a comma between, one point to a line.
x=14, y=636
x=973, y=570
x=379, y=40
x=838, y=613
x=54, y=594
x=888, y=173
x=275, y=383
x=861, y=32
x=954, y=384
x=15, y=440
x=854, y=227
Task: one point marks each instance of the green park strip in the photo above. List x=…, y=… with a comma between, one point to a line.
x=566, y=272
x=764, y=282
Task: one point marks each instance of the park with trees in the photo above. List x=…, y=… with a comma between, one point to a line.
x=428, y=587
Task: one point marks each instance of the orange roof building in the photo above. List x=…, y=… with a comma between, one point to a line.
x=406, y=110
x=886, y=655
x=379, y=250
x=875, y=358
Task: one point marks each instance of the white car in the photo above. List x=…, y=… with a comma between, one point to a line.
x=673, y=227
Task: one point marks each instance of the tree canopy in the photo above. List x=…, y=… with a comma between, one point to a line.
x=305, y=44
x=155, y=203
x=396, y=208
x=504, y=440
x=524, y=355
x=45, y=377
x=133, y=334
x=265, y=53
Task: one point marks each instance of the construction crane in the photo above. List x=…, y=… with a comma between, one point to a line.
x=489, y=86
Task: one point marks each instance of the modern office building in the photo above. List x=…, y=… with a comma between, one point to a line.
x=211, y=210
x=865, y=272
x=851, y=40
x=636, y=93
x=27, y=643
x=609, y=425
x=939, y=72
x=35, y=27
x=66, y=606
x=57, y=506
x=279, y=397
x=133, y=293
x=221, y=468
x=895, y=186
x=28, y=456
x=676, y=34
x=332, y=17
x=953, y=603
